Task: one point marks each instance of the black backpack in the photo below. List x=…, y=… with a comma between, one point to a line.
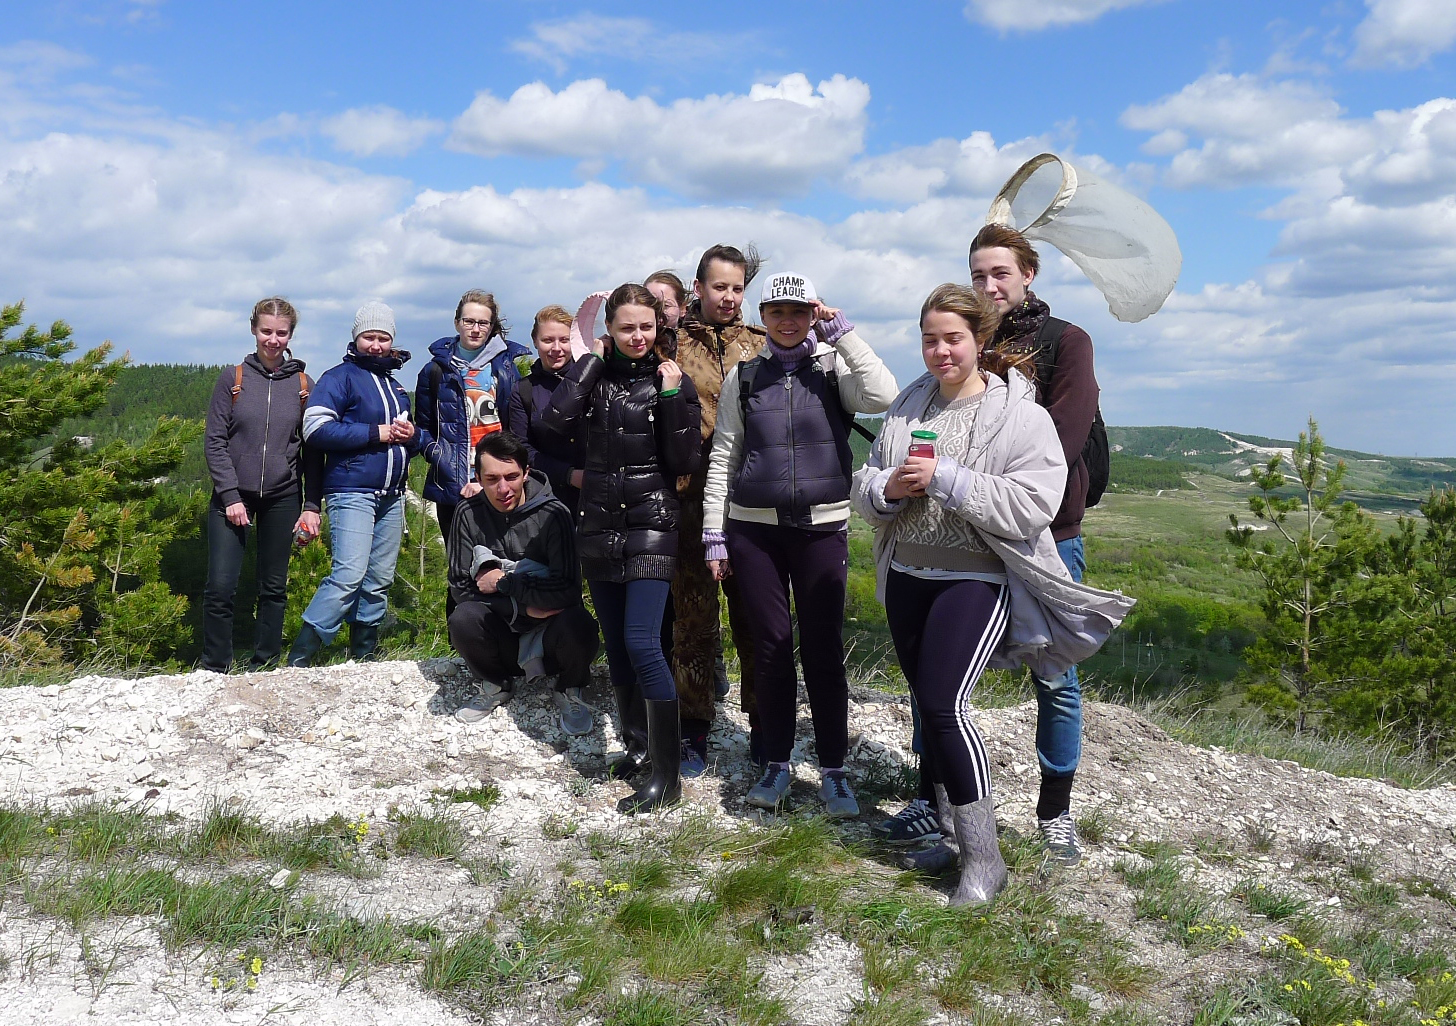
x=1095, y=453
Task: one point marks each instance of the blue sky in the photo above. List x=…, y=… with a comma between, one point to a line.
x=164, y=164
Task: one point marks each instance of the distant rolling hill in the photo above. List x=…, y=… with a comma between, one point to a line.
x=1372, y=479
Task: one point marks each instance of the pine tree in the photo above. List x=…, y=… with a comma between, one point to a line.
x=82, y=527
x=1302, y=562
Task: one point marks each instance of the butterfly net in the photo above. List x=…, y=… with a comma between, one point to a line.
x=1123, y=245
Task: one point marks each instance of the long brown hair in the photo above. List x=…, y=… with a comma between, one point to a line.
x=980, y=314
x=1001, y=236
x=632, y=294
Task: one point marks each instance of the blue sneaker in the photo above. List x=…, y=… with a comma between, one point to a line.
x=839, y=800
x=771, y=789
x=694, y=762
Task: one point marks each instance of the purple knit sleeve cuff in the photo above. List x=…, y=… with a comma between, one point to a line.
x=716, y=544
x=831, y=331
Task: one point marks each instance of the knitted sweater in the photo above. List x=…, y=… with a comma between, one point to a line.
x=928, y=536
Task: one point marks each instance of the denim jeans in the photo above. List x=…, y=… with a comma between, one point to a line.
x=365, y=531
x=631, y=618
x=226, y=546
x=1059, y=700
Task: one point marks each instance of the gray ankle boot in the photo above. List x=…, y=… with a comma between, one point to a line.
x=983, y=872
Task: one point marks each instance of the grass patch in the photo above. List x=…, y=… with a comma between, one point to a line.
x=1265, y=900
x=430, y=835
x=1166, y=895
x=483, y=795
x=1342, y=755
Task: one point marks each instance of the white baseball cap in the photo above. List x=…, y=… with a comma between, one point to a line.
x=789, y=288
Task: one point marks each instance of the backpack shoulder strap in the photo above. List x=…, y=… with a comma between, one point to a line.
x=305, y=386
x=1046, y=349
x=747, y=372
x=237, y=383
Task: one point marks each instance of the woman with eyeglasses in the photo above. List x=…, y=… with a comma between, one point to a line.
x=461, y=397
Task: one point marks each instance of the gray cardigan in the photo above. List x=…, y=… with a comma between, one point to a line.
x=1009, y=492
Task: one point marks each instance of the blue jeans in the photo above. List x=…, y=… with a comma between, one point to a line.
x=631, y=619
x=1059, y=700
x=365, y=531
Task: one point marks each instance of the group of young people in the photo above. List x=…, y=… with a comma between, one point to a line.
x=684, y=452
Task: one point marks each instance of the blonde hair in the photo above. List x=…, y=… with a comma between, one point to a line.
x=274, y=306
x=980, y=314
x=553, y=314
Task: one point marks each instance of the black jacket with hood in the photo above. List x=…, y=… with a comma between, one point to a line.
x=540, y=529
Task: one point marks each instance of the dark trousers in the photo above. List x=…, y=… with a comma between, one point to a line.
x=226, y=546
x=491, y=649
x=631, y=616
x=767, y=561
x=445, y=516
x=945, y=632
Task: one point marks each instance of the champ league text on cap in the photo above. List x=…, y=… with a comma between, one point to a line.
x=789, y=288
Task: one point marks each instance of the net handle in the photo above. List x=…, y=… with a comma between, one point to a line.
x=1000, y=212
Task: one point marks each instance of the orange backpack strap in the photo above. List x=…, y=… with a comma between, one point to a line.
x=237, y=383
x=305, y=386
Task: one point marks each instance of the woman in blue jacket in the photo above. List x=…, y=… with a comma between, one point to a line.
x=461, y=396
x=358, y=415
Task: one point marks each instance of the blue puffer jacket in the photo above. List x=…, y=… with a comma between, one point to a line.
x=345, y=409
x=440, y=409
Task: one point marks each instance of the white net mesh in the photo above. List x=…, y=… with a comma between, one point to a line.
x=1123, y=245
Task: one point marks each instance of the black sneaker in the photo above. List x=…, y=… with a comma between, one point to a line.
x=914, y=823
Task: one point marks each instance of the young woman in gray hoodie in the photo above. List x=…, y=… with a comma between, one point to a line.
x=255, y=455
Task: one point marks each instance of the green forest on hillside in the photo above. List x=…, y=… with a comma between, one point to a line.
x=1159, y=534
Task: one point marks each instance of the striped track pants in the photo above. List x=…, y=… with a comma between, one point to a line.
x=944, y=634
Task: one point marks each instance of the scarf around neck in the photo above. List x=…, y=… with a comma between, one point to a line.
x=1018, y=328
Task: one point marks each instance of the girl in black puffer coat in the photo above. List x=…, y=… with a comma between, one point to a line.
x=638, y=418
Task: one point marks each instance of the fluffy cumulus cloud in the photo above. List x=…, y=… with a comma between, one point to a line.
x=1034, y=15
x=777, y=139
x=1404, y=33
x=378, y=131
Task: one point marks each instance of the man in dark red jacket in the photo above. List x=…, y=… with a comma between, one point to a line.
x=1003, y=265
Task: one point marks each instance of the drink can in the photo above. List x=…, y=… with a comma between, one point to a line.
x=922, y=443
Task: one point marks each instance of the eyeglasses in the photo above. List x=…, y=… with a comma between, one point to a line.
x=470, y=322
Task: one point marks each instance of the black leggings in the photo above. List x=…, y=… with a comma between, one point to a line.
x=944, y=634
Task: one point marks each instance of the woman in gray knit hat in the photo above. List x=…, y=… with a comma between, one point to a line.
x=359, y=416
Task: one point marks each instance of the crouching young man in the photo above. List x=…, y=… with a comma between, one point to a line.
x=516, y=582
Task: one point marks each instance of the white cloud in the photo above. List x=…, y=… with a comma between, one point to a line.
x=558, y=42
x=778, y=139
x=379, y=131
x=1253, y=131
x=973, y=166
x=1033, y=15
x=1404, y=33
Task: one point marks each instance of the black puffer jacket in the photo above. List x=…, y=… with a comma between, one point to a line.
x=637, y=444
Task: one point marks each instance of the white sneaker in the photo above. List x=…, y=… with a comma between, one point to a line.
x=1059, y=838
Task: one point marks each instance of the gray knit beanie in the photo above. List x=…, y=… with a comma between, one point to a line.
x=374, y=316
